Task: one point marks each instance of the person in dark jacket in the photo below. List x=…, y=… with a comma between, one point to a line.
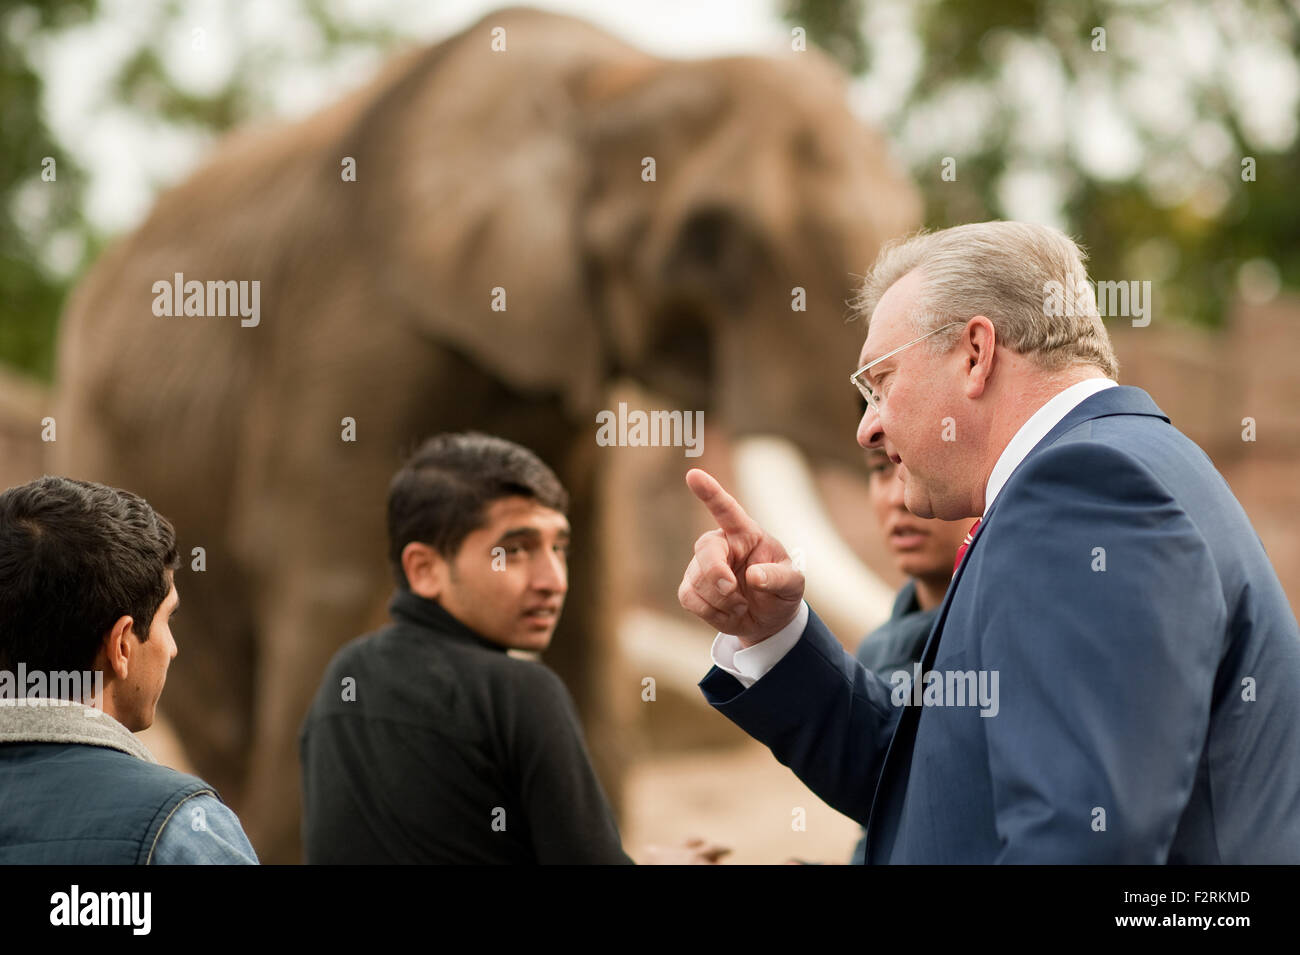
x=925, y=550
x=428, y=742
x=86, y=596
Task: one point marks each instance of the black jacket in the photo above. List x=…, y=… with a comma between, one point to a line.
x=427, y=743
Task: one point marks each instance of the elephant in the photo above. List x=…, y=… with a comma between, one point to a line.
x=483, y=237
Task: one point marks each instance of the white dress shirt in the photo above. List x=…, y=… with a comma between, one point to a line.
x=749, y=664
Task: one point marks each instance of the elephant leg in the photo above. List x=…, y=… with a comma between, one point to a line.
x=314, y=608
x=584, y=650
x=208, y=695
x=309, y=531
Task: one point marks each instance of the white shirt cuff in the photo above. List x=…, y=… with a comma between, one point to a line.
x=749, y=664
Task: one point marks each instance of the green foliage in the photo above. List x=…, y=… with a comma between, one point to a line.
x=30, y=294
x=1182, y=219
x=39, y=218
x=834, y=26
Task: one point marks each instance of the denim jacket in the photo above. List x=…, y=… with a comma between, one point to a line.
x=54, y=753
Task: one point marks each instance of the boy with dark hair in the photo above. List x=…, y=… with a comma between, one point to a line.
x=86, y=596
x=427, y=742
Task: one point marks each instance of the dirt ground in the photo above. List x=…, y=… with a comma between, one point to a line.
x=740, y=797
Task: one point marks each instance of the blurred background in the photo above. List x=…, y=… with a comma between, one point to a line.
x=1161, y=135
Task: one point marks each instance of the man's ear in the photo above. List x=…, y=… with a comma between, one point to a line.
x=117, y=646
x=426, y=570
x=978, y=346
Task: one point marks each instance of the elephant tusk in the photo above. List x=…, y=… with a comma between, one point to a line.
x=675, y=650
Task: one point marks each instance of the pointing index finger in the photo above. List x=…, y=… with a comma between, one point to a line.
x=731, y=517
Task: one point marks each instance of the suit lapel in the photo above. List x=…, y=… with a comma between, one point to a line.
x=898, y=757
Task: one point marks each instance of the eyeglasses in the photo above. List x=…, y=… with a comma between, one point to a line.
x=875, y=399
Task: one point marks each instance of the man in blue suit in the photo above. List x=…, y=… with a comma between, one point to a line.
x=1114, y=674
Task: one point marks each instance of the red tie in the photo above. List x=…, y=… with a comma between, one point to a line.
x=961, y=551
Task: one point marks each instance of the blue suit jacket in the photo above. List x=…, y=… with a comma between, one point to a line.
x=1147, y=712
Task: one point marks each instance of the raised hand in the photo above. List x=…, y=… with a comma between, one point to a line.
x=741, y=580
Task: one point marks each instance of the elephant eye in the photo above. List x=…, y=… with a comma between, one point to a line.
x=715, y=258
x=704, y=239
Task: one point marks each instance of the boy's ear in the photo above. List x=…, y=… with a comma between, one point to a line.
x=116, y=647
x=426, y=570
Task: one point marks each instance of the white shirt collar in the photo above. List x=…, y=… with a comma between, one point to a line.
x=1035, y=429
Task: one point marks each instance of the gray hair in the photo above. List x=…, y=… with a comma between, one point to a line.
x=1008, y=272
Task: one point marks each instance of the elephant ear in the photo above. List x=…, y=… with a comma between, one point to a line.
x=475, y=179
